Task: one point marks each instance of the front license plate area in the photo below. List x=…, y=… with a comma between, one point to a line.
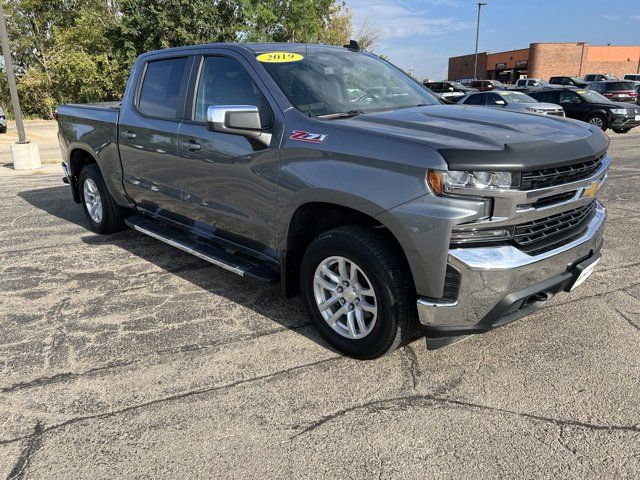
x=585, y=269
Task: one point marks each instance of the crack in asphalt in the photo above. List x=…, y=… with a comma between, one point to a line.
x=33, y=445
x=194, y=347
x=624, y=316
x=428, y=400
x=172, y=398
x=412, y=364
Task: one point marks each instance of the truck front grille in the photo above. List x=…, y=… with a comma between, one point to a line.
x=546, y=233
x=550, y=177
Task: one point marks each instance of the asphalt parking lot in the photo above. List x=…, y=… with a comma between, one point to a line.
x=122, y=357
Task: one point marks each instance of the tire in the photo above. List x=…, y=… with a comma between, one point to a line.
x=598, y=120
x=3, y=130
x=380, y=271
x=622, y=130
x=111, y=217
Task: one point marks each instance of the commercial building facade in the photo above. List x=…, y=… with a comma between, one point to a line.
x=544, y=60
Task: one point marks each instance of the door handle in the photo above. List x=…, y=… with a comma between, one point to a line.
x=190, y=145
x=128, y=135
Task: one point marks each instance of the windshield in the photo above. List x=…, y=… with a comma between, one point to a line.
x=593, y=97
x=324, y=81
x=517, y=97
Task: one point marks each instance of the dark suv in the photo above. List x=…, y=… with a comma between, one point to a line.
x=593, y=108
x=568, y=81
x=616, y=90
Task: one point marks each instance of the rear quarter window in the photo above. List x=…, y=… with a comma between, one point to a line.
x=162, y=86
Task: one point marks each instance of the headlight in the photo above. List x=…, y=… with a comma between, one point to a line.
x=619, y=111
x=445, y=181
x=533, y=109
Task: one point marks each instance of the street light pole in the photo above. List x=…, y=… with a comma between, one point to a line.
x=11, y=78
x=475, y=65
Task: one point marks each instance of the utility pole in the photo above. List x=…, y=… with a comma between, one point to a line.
x=25, y=154
x=11, y=77
x=475, y=65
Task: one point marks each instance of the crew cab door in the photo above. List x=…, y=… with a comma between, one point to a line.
x=228, y=182
x=148, y=132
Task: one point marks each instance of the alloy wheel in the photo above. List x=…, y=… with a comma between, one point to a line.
x=345, y=297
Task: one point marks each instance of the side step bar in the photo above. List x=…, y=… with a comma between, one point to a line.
x=201, y=248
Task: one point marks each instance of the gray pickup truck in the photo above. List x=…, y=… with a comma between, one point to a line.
x=331, y=171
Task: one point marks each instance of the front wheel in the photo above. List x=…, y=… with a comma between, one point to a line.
x=359, y=291
x=598, y=120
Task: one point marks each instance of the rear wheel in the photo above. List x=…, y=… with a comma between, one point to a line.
x=598, y=120
x=103, y=213
x=358, y=291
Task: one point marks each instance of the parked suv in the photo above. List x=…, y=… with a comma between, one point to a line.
x=385, y=209
x=511, y=100
x=598, y=77
x=568, y=81
x=486, y=85
x=453, y=91
x=616, y=90
x=593, y=108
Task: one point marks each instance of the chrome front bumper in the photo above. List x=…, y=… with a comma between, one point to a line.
x=489, y=276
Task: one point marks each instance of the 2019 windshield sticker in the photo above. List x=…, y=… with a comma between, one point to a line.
x=279, y=57
x=302, y=136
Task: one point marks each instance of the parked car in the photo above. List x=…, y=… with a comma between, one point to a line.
x=532, y=84
x=453, y=91
x=486, y=85
x=3, y=121
x=598, y=77
x=593, y=108
x=568, y=82
x=387, y=212
x=512, y=100
x=616, y=90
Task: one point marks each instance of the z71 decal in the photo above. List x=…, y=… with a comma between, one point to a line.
x=307, y=136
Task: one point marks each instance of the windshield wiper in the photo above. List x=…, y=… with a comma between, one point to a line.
x=349, y=114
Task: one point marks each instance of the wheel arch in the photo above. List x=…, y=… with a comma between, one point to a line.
x=312, y=219
x=78, y=158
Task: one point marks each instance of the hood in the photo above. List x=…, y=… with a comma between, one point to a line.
x=485, y=138
x=544, y=106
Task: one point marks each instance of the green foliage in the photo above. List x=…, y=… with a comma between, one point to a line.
x=82, y=50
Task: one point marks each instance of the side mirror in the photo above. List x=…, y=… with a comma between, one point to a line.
x=500, y=102
x=241, y=120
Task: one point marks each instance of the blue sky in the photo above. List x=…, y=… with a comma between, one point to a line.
x=421, y=35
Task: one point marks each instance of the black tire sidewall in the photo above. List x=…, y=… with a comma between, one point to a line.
x=92, y=172
x=385, y=333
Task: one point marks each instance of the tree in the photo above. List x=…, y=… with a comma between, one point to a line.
x=338, y=28
x=367, y=35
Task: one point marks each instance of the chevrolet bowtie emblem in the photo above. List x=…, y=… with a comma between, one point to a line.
x=591, y=191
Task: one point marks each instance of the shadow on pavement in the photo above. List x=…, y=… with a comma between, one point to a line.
x=270, y=302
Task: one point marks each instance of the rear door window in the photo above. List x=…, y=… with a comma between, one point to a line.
x=162, y=87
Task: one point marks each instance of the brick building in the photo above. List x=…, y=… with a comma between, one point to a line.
x=548, y=59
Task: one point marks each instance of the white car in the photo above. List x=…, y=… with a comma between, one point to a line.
x=3, y=121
